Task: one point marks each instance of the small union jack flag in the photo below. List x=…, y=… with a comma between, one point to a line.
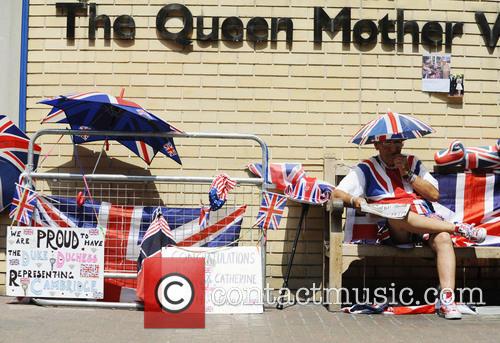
x=204, y=217
x=169, y=147
x=271, y=211
x=23, y=204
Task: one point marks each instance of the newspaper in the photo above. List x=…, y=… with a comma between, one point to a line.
x=393, y=211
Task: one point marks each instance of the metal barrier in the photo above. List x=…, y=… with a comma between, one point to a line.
x=119, y=202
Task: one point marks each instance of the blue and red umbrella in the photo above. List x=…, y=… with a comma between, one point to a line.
x=13, y=158
x=104, y=112
x=391, y=125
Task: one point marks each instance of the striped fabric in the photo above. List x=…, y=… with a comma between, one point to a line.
x=483, y=157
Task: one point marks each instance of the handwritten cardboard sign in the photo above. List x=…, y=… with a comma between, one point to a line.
x=233, y=277
x=55, y=262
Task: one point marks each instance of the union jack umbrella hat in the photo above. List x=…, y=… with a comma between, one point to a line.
x=391, y=125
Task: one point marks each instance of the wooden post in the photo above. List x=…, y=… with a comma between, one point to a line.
x=334, y=237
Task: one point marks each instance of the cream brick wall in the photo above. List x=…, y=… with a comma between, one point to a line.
x=305, y=101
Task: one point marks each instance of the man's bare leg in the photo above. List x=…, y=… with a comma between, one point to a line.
x=440, y=242
x=446, y=262
x=416, y=223
x=445, y=254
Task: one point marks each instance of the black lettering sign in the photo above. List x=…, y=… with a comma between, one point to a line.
x=72, y=10
x=172, y=11
x=214, y=33
x=323, y=22
x=282, y=24
x=232, y=29
x=257, y=30
x=364, y=31
x=490, y=36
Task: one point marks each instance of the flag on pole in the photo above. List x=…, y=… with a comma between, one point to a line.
x=271, y=211
x=157, y=236
x=23, y=204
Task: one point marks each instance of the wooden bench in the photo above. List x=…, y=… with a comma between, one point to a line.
x=337, y=255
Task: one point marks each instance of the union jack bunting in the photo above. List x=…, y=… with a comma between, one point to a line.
x=483, y=157
x=270, y=211
x=310, y=190
x=391, y=125
x=23, y=204
x=279, y=174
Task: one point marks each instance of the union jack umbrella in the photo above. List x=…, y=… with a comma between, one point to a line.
x=391, y=125
x=13, y=158
x=101, y=111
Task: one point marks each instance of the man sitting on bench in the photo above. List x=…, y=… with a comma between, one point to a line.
x=391, y=177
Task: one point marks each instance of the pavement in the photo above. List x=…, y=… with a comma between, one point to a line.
x=299, y=323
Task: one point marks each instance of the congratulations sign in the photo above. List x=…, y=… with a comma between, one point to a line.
x=55, y=262
x=233, y=277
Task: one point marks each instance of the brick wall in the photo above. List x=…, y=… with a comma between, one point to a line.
x=305, y=100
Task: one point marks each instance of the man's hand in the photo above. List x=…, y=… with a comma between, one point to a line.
x=401, y=162
x=357, y=202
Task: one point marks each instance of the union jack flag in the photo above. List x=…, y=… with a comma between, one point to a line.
x=13, y=158
x=170, y=149
x=126, y=227
x=271, y=210
x=310, y=190
x=466, y=197
x=23, y=204
x=475, y=199
x=204, y=216
x=280, y=174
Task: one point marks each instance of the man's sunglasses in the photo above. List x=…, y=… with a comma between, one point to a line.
x=393, y=142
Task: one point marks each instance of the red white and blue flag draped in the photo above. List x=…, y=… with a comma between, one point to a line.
x=101, y=111
x=13, y=158
x=451, y=156
x=483, y=157
x=292, y=180
x=270, y=211
x=467, y=197
x=157, y=236
x=23, y=204
x=309, y=190
x=475, y=199
x=400, y=310
x=280, y=174
x=126, y=227
x=391, y=125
